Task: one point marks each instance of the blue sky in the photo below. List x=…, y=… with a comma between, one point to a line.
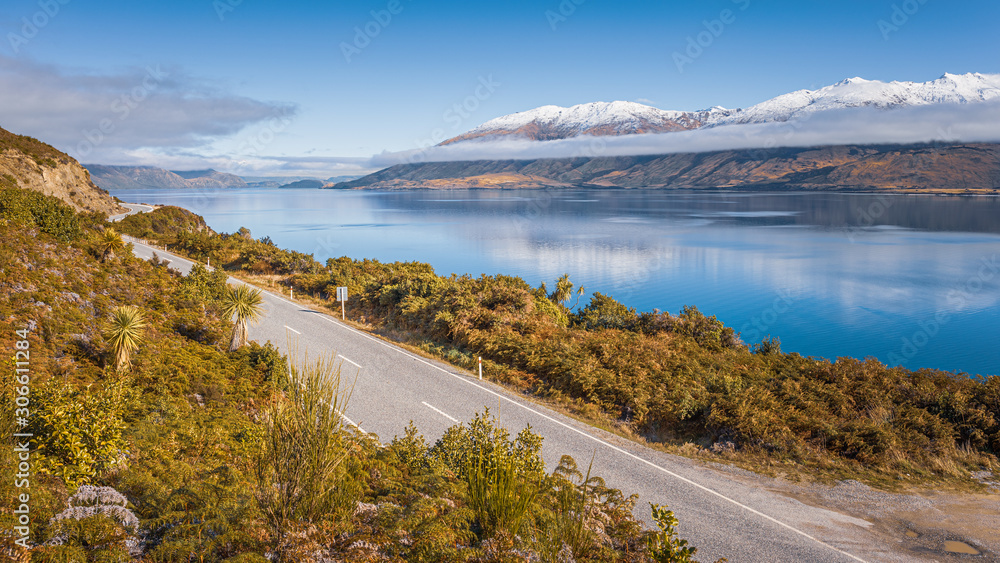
x=265, y=86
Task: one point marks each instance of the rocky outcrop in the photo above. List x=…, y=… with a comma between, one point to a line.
x=943, y=169
x=31, y=164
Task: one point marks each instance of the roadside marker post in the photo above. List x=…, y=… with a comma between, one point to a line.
x=342, y=297
x=480, y=367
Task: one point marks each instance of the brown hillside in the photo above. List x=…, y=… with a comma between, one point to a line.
x=30, y=163
x=916, y=168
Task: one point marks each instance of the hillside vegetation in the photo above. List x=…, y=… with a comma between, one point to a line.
x=683, y=380
x=29, y=163
x=153, y=442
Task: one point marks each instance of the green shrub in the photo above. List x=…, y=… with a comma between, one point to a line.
x=604, y=312
x=664, y=545
x=33, y=209
x=80, y=431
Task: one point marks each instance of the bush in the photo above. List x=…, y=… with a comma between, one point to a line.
x=33, y=209
x=80, y=430
x=605, y=312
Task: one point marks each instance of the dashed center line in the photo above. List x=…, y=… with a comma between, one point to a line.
x=612, y=447
x=349, y=361
x=297, y=332
x=440, y=412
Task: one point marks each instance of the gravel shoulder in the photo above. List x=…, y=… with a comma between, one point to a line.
x=911, y=526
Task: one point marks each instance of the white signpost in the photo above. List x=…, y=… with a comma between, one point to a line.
x=342, y=297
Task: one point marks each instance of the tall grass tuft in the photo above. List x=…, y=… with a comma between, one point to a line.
x=499, y=493
x=574, y=498
x=298, y=469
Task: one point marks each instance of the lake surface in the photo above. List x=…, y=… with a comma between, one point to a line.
x=911, y=280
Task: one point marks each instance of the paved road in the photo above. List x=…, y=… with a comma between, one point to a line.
x=720, y=516
x=133, y=209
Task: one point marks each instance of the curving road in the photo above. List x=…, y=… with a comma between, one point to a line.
x=133, y=209
x=719, y=515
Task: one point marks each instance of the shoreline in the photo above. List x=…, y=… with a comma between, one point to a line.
x=827, y=356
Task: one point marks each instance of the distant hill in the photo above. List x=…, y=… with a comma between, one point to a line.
x=29, y=163
x=126, y=177
x=305, y=184
x=335, y=179
x=273, y=181
x=951, y=168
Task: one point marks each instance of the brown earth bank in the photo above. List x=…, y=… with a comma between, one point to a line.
x=32, y=164
x=953, y=168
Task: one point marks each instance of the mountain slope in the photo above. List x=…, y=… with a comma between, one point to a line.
x=125, y=177
x=858, y=92
x=598, y=118
x=952, y=168
x=627, y=118
x=30, y=163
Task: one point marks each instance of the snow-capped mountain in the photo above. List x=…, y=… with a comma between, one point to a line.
x=627, y=118
x=597, y=118
x=858, y=92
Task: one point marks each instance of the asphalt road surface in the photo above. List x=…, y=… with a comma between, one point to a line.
x=133, y=209
x=720, y=516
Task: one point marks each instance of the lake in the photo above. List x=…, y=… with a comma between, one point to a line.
x=911, y=280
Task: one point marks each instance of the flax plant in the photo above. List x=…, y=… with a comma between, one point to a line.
x=125, y=334
x=247, y=304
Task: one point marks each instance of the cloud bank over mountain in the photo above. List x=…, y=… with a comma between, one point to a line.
x=850, y=126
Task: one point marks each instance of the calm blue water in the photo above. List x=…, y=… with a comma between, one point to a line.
x=908, y=279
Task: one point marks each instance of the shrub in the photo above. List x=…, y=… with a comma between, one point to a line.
x=604, y=312
x=34, y=209
x=80, y=430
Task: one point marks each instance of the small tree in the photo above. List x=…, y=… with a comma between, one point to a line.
x=247, y=304
x=109, y=243
x=125, y=334
x=563, y=291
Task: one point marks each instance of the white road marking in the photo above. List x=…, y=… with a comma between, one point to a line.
x=440, y=412
x=351, y=422
x=466, y=380
x=292, y=329
x=349, y=361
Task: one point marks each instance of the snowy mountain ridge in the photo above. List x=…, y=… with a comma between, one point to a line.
x=625, y=118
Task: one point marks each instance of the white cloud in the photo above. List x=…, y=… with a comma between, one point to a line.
x=101, y=117
x=945, y=123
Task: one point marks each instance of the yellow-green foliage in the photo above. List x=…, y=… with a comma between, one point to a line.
x=683, y=377
x=82, y=428
x=165, y=221
x=665, y=546
x=194, y=433
x=28, y=208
